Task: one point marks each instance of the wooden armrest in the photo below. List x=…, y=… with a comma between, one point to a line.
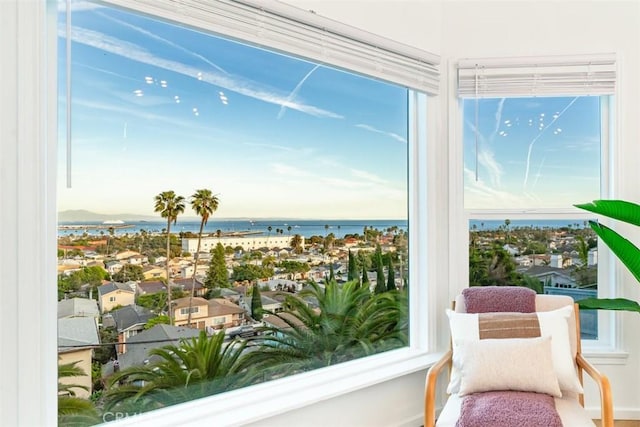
x=430, y=389
x=606, y=402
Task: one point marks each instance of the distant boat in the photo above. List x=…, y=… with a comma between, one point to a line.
x=113, y=221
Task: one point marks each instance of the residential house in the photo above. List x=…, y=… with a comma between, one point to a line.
x=211, y=314
x=270, y=304
x=77, y=337
x=138, y=346
x=128, y=322
x=231, y=295
x=113, y=267
x=78, y=307
x=187, y=283
x=151, y=272
x=114, y=294
x=125, y=255
x=551, y=276
x=151, y=287
x=187, y=271
x=137, y=259
x=281, y=285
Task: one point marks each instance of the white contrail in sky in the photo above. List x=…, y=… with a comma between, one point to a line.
x=230, y=82
x=538, y=174
x=531, y=144
x=295, y=91
x=390, y=134
x=498, y=119
x=161, y=39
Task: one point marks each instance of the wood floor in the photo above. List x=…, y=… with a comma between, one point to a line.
x=621, y=423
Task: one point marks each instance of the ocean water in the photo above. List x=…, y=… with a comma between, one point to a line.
x=305, y=228
x=492, y=224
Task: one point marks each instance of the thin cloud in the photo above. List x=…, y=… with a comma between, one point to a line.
x=367, y=176
x=232, y=83
x=269, y=146
x=488, y=161
x=375, y=130
x=342, y=183
x=290, y=171
x=77, y=5
x=131, y=112
x=480, y=195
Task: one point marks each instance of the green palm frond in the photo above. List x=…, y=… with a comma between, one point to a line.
x=350, y=322
x=626, y=251
x=73, y=405
x=68, y=370
x=616, y=209
x=196, y=368
x=622, y=304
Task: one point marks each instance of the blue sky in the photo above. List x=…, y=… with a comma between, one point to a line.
x=158, y=107
x=532, y=152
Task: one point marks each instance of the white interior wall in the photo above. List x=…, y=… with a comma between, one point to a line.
x=450, y=28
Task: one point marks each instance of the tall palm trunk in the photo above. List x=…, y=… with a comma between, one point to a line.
x=170, y=309
x=195, y=269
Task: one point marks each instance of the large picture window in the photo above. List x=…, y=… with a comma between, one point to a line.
x=258, y=198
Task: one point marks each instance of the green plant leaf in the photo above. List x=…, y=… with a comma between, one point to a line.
x=609, y=304
x=617, y=209
x=627, y=252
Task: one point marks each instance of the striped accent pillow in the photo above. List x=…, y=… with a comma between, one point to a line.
x=554, y=324
x=506, y=325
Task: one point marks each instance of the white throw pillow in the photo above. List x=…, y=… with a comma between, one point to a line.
x=465, y=326
x=521, y=364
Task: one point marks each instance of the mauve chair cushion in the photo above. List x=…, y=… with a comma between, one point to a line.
x=487, y=299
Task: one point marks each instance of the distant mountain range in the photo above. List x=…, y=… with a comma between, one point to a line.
x=79, y=215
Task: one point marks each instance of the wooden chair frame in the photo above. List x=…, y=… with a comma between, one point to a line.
x=606, y=402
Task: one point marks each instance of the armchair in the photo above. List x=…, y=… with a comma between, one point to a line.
x=569, y=402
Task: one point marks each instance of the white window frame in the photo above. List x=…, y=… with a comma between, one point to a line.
x=29, y=161
x=606, y=347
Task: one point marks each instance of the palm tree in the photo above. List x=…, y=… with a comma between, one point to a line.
x=110, y=239
x=296, y=243
x=170, y=206
x=350, y=322
x=507, y=222
x=204, y=203
x=196, y=368
x=73, y=410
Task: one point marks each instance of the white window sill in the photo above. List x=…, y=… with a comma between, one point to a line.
x=604, y=355
x=261, y=401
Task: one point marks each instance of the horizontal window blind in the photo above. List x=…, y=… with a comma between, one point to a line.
x=537, y=76
x=291, y=30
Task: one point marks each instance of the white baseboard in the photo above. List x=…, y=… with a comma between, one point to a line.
x=412, y=421
x=618, y=413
